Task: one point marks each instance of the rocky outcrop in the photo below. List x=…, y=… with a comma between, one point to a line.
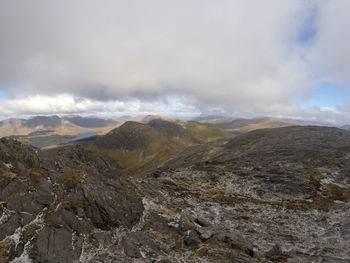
x=53, y=203
x=273, y=195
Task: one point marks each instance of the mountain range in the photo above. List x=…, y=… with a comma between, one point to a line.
x=269, y=195
x=62, y=125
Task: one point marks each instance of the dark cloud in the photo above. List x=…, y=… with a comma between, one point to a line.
x=242, y=56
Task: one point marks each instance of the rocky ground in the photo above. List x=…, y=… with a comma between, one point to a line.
x=274, y=195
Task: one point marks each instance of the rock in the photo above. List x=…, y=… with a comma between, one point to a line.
x=202, y=222
x=274, y=251
x=234, y=239
x=164, y=260
x=155, y=221
x=242, y=258
x=103, y=238
x=186, y=223
x=191, y=239
x=109, y=205
x=53, y=209
x=202, y=251
x=206, y=235
x=54, y=245
x=131, y=249
x=9, y=227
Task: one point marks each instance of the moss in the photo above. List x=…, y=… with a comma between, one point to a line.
x=204, y=132
x=6, y=249
x=315, y=180
x=9, y=176
x=335, y=192
x=72, y=178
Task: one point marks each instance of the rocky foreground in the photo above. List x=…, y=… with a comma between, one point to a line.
x=273, y=195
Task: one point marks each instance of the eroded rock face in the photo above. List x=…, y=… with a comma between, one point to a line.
x=53, y=201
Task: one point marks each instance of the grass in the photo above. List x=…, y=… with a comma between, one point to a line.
x=72, y=178
x=204, y=132
x=8, y=175
x=263, y=124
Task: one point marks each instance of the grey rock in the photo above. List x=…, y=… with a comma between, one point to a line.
x=103, y=238
x=54, y=245
x=202, y=222
x=186, y=223
x=131, y=249
x=191, y=239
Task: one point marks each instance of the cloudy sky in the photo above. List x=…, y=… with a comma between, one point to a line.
x=178, y=58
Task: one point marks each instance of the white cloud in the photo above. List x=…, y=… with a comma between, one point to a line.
x=66, y=104
x=239, y=56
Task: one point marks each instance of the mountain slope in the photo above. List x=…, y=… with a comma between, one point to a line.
x=275, y=187
x=134, y=143
x=346, y=127
x=239, y=126
x=54, y=205
x=270, y=195
x=60, y=125
x=203, y=132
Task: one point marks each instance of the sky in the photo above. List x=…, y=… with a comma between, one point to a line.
x=247, y=58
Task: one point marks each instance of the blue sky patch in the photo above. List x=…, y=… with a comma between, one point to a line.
x=2, y=95
x=327, y=95
x=308, y=30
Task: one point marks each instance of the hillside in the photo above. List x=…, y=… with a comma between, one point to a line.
x=55, y=205
x=270, y=195
x=146, y=145
x=239, y=126
x=274, y=187
x=200, y=132
x=134, y=144
x=203, y=132
x=59, y=125
x=346, y=127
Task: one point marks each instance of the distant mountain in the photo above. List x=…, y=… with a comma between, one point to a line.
x=44, y=122
x=209, y=118
x=239, y=126
x=90, y=122
x=203, y=132
x=346, y=127
x=135, y=143
x=200, y=132
x=66, y=124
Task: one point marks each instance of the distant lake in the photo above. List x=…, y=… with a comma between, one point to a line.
x=78, y=136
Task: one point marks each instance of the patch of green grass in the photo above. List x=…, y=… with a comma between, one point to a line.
x=204, y=132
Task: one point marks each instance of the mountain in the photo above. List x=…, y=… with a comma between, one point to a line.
x=61, y=125
x=135, y=143
x=91, y=122
x=203, y=132
x=269, y=195
x=346, y=127
x=209, y=118
x=155, y=140
x=239, y=126
x=278, y=188
x=200, y=132
x=55, y=204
